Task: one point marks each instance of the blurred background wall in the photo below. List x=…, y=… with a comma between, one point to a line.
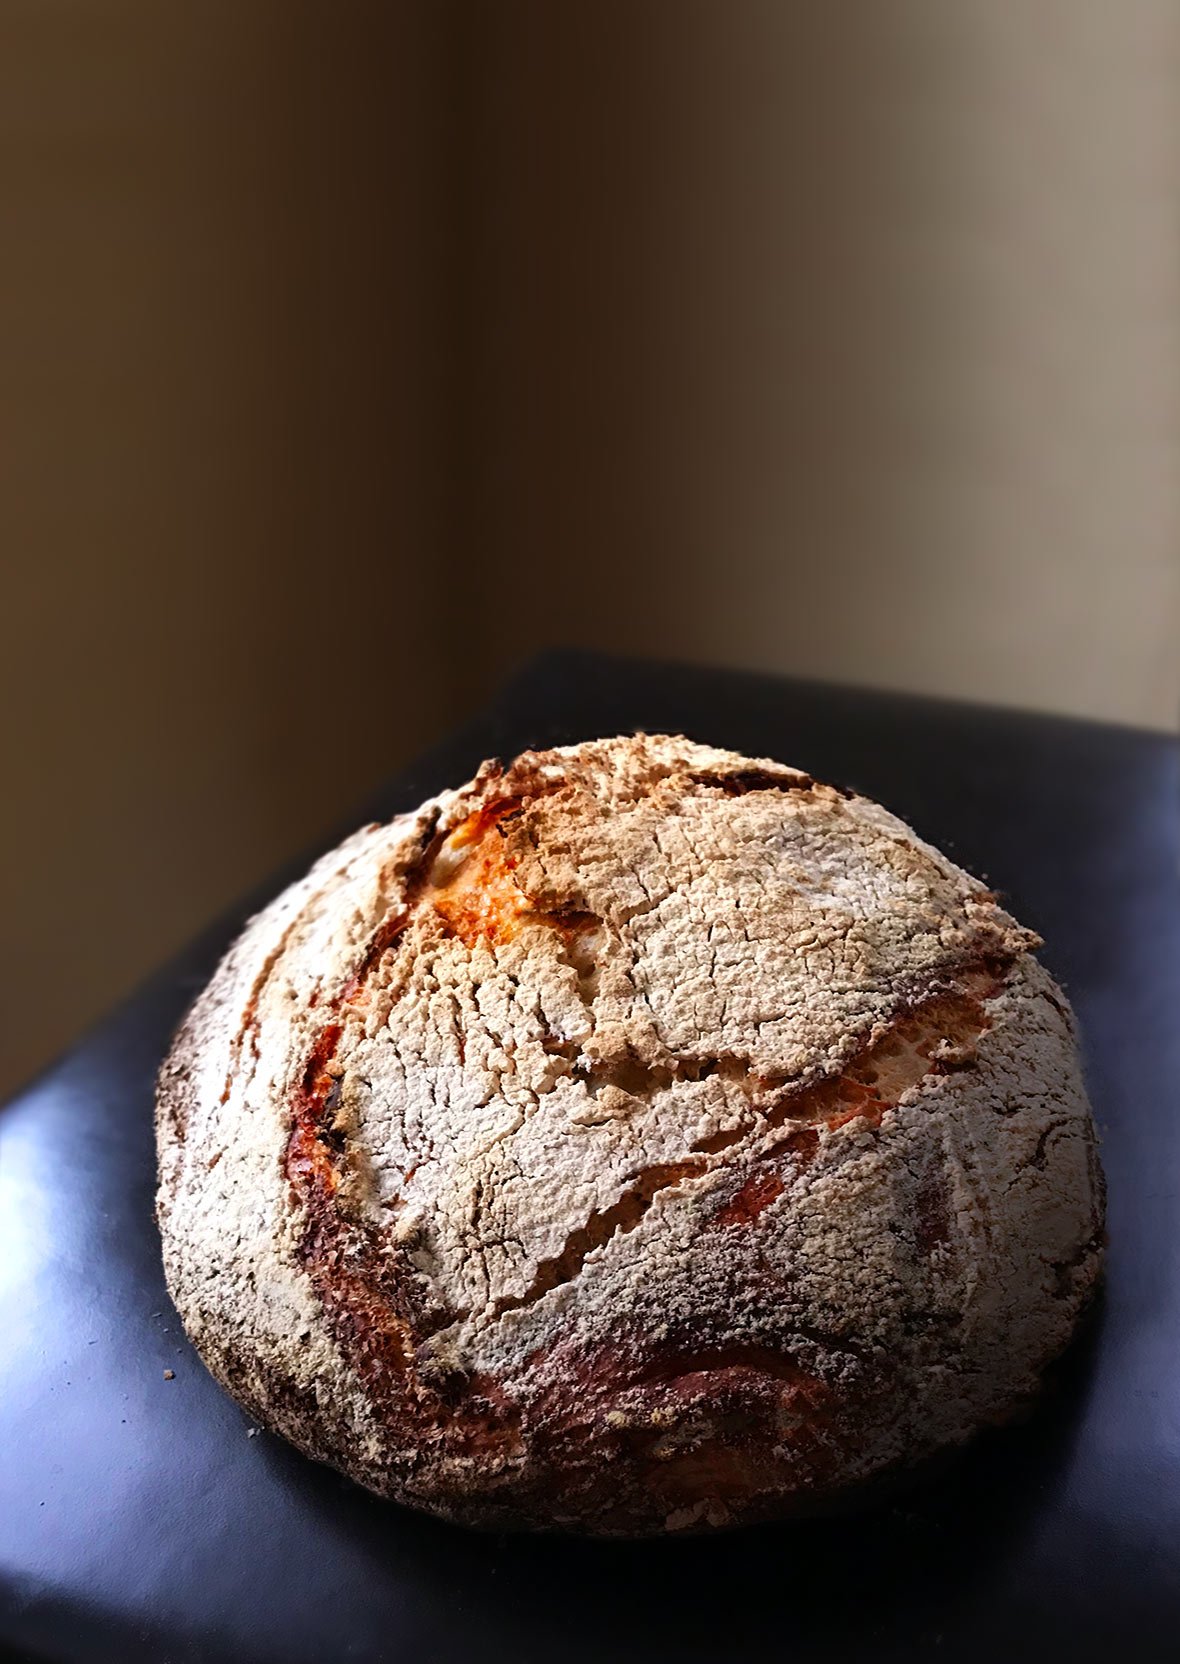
x=350, y=353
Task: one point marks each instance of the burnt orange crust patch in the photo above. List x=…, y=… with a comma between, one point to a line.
x=472, y=887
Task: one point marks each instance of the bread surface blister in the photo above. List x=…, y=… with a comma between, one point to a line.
x=643, y=1138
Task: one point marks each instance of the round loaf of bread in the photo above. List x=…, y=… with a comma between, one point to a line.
x=642, y=1138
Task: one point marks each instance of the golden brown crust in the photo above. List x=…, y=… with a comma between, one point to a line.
x=642, y=1138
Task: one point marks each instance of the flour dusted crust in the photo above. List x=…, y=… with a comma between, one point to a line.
x=642, y=1138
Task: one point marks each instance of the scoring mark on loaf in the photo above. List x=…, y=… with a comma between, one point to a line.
x=600, y=1228
x=737, y=782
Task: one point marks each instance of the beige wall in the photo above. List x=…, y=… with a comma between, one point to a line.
x=844, y=338
x=833, y=339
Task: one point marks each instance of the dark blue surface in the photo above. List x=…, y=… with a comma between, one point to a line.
x=138, y=1520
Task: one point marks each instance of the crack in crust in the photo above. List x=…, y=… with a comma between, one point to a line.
x=622, y=1216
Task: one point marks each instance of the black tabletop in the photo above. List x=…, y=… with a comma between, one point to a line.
x=144, y=1518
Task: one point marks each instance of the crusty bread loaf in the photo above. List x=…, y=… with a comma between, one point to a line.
x=639, y=1139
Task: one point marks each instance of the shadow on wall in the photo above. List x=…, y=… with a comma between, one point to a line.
x=351, y=354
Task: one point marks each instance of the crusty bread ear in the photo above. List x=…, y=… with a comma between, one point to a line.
x=641, y=1138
